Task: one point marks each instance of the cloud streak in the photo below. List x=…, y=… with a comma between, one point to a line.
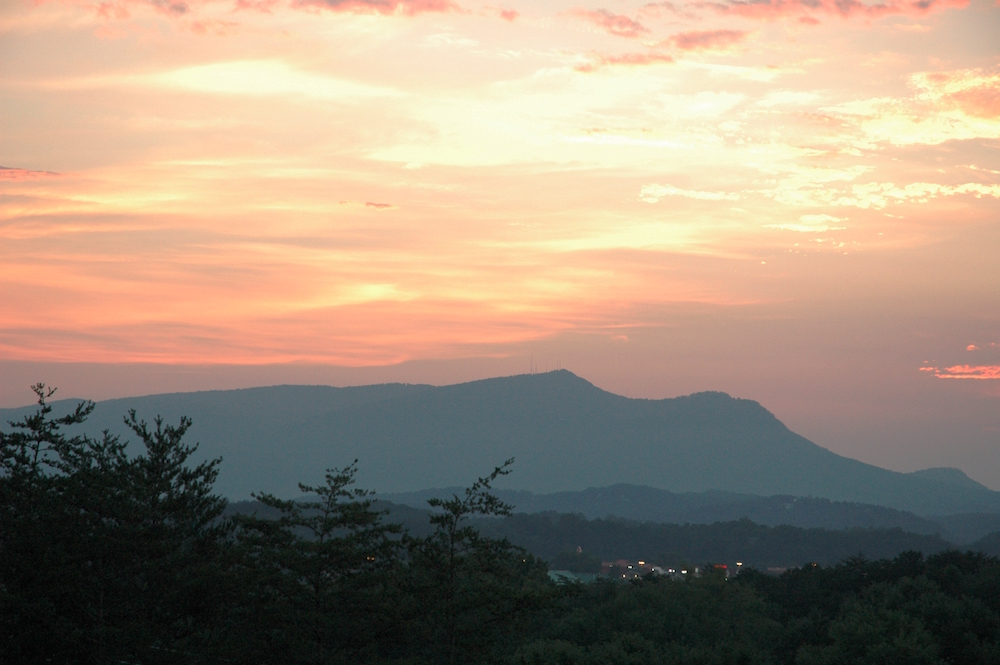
x=652, y=193
x=701, y=40
x=614, y=24
x=178, y=9
x=974, y=92
x=599, y=60
x=383, y=7
x=804, y=9
x=20, y=175
x=810, y=224
x=973, y=372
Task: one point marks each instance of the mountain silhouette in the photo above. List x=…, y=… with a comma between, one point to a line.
x=647, y=504
x=565, y=433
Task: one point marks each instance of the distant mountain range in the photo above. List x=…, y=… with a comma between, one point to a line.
x=565, y=433
x=647, y=504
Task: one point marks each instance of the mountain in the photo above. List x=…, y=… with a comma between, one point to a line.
x=648, y=504
x=949, y=476
x=565, y=433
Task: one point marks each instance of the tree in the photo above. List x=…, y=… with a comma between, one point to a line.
x=104, y=557
x=177, y=546
x=319, y=572
x=36, y=527
x=473, y=589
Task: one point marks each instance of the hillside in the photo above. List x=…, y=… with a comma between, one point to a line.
x=548, y=534
x=647, y=504
x=565, y=434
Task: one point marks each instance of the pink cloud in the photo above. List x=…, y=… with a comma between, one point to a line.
x=509, y=14
x=657, y=9
x=977, y=372
x=982, y=101
x=385, y=7
x=776, y=9
x=707, y=39
x=264, y=6
x=378, y=206
x=118, y=9
x=20, y=175
x=626, y=59
x=975, y=92
x=108, y=10
x=615, y=24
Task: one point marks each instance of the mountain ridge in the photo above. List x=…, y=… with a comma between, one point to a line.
x=565, y=433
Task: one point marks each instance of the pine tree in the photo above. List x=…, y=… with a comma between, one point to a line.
x=472, y=590
x=320, y=572
x=106, y=557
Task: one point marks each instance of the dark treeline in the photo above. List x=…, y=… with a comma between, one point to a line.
x=548, y=535
x=672, y=545
x=109, y=555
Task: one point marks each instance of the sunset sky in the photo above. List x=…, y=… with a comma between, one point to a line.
x=793, y=201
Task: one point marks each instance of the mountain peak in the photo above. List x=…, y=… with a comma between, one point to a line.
x=949, y=476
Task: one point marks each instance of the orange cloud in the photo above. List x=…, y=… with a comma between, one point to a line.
x=19, y=175
x=626, y=59
x=656, y=9
x=178, y=8
x=378, y=206
x=264, y=6
x=615, y=24
x=117, y=10
x=385, y=7
x=707, y=39
x=974, y=92
x=978, y=372
x=777, y=9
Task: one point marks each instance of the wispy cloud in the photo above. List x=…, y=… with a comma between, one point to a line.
x=385, y=7
x=801, y=191
x=615, y=24
x=8, y=173
x=700, y=40
x=652, y=193
x=598, y=60
x=810, y=224
x=798, y=9
x=261, y=77
x=976, y=372
x=973, y=91
x=120, y=9
x=508, y=14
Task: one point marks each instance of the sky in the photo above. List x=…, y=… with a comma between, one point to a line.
x=793, y=201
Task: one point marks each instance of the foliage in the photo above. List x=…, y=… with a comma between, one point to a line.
x=105, y=557
x=318, y=575
x=576, y=562
x=471, y=590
